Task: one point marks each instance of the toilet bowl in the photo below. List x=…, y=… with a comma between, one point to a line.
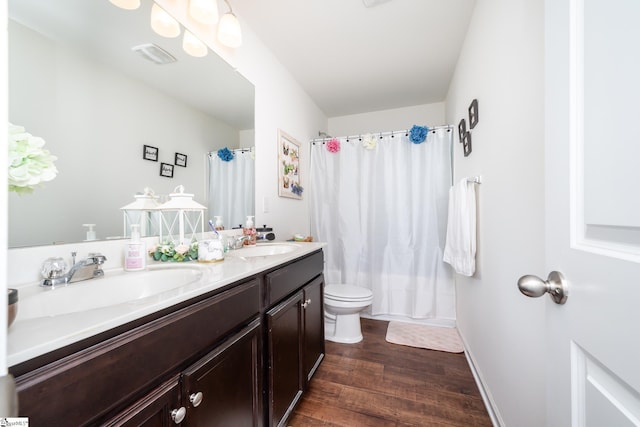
x=342, y=305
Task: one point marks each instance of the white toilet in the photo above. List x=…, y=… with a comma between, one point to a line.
x=342, y=305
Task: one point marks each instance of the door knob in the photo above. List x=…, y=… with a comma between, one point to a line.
x=555, y=285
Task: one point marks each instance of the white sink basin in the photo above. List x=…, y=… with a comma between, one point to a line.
x=264, y=249
x=116, y=287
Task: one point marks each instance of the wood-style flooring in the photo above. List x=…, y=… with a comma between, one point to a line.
x=376, y=383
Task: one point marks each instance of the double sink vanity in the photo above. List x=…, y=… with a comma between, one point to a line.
x=226, y=344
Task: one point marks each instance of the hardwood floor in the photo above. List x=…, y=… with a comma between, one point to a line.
x=375, y=383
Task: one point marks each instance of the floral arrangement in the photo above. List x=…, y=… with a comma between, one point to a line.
x=296, y=189
x=169, y=252
x=333, y=146
x=225, y=154
x=29, y=163
x=418, y=134
x=369, y=142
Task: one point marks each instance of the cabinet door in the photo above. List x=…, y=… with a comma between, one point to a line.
x=313, y=350
x=284, y=335
x=224, y=387
x=157, y=409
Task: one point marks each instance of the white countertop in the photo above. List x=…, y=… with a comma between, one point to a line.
x=29, y=338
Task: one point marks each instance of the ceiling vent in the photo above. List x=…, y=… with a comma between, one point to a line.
x=154, y=53
x=372, y=3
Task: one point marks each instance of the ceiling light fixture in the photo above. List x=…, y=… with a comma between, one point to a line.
x=229, y=32
x=126, y=4
x=193, y=46
x=204, y=11
x=163, y=23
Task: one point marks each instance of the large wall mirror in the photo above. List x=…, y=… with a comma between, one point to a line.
x=75, y=81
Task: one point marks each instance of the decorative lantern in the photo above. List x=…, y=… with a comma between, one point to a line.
x=144, y=212
x=180, y=215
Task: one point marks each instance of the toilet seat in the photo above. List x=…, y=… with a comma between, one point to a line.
x=347, y=293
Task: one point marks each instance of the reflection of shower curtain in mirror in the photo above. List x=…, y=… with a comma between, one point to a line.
x=232, y=188
x=382, y=209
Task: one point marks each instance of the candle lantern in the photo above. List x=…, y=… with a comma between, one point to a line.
x=143, y=212
x=180, y=218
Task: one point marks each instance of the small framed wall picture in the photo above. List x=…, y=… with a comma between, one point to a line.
x=181, y=160
x=466, y=144
x=166, y=170
x=150, y=153
x=462, y=130
x=473, y=114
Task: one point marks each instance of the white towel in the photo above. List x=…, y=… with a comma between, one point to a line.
x=460, y=246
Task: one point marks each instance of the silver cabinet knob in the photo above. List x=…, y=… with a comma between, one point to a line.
x=177, y=415
x=555, y=285
x=306, y=303
x=196, y=399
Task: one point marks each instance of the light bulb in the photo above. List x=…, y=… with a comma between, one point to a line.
x=163, y=23
x=229, y=33
x=126, y=4
x=204, y=11
x=193, y=46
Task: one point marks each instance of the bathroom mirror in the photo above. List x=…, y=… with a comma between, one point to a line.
x=75, y=81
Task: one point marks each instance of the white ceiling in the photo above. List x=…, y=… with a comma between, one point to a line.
x=353, y=59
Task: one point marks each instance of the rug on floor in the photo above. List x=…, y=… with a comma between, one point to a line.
x=423, y=336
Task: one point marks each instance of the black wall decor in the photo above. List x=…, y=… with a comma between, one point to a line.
x=466, y=144
x=166, y=170
x=150, y=153
x=462, y=130
x=473, y=114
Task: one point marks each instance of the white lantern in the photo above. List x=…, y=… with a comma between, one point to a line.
x=180, y=218
x=143, y=212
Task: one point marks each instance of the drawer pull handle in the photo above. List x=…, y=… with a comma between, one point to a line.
x=177, y=415
x=196, y=399
x=306, y=303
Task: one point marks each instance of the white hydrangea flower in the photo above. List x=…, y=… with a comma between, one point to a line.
x=29, y=163
x=369, y=142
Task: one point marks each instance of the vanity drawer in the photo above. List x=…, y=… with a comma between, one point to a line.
x=291, y=277
x=88, y=385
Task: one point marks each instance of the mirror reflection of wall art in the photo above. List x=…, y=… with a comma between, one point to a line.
x=466, y=144
x=150, y=153
x=288, y=166
x=473, y=114
x=166, y=170
x=181, y=160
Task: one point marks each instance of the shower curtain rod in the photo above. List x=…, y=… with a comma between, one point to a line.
x=381, y=134
x=233, y=150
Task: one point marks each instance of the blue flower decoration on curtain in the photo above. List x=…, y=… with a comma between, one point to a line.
x=225, y=154
x=418, y=134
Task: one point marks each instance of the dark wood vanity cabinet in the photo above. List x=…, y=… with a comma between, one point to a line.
x=294, y=336
x=201, y=363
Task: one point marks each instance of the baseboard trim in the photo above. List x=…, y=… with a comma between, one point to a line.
x=489, y=404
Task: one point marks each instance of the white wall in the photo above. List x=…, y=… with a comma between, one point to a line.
x=388, y=120
x=89, y=111
x=502, y=66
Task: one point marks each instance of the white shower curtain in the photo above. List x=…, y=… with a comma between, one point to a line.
x=383, y=212
x=232, y=188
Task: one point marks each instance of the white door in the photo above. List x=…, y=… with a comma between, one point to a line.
x=592, y=72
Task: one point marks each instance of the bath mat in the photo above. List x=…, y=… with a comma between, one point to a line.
x=423, y=336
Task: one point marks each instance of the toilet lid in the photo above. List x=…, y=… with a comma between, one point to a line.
x=347, y=292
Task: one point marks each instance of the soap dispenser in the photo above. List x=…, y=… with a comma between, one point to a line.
x=91, y=233
x=134, y=251
x=219, y=224
x=250, y=231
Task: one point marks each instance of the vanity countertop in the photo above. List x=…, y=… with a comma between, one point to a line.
x=32, y=337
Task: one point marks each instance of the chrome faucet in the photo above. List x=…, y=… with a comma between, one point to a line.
x=88, y=268
x=237, y=241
